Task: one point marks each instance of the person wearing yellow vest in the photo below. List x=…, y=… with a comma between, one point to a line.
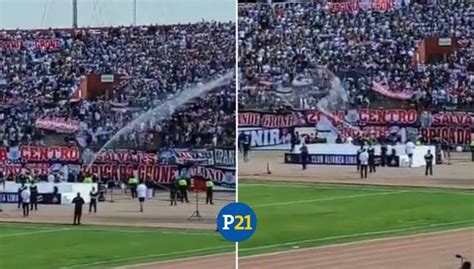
x=88, y=179
x=132, y=184
x=209, y=187
x=471, y=145
x=183, y=188
x=29, y=178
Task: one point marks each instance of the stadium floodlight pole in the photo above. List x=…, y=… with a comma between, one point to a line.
x=74, y=13
x=134, y=12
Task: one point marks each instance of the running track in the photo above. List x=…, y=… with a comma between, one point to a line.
x=431, y=250
x=422, y=251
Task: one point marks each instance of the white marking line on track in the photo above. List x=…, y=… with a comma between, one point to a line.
x=172, y=260
x=329, y=199
x=146, y=231
x=116, y=230
x=347, y=236
x=127, y=259
x=35, y=232
x=359, y=188
x=314, y=186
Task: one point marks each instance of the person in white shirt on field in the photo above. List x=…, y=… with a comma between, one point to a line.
x=364, y=162
x=25, y=197
x=141, y=191
x=409, y=150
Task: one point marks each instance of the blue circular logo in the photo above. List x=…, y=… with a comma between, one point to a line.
x=237, y=222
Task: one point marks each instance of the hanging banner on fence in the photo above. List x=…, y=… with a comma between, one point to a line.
x=260, y=137
x=43, y=198
x=453, y=119
x=368, y=116
x=218, y=175
x=160, y=173
x=204, y=156
x=58, y=124
x=40, y=154
x=224, y=157
x=121, y=156
x=44, y=44
x=326, y=159
x=453, y=135
x=343, y=6
x=18, y=169
x=163, y=174
x=387, y=92
x=353, y=6
x=268, y=120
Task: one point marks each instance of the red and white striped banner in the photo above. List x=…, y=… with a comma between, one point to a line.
x=58, y=124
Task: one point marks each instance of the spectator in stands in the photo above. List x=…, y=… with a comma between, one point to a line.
x=367, y=50
x=156, y=64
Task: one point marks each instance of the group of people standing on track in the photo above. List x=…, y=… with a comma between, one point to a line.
x=178, y=190
x=366, y=160
x=28, y=196
x=78, y=202
x=181, y=186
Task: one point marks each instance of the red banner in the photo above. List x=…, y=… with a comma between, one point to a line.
x=344, y=6
x=453, y=119
x=58, y=124
x=353, y=6
x=382, y=5
x=371, y=116
x=41, y=154
x=160, y=173
x=453, y=135
x=216, y=175
x=126, y=156
x=386, y=91
x=18, y=169
x=377, y=131
x=267, y=120
x=36, y=44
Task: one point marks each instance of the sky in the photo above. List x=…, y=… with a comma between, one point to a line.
x=40, y=14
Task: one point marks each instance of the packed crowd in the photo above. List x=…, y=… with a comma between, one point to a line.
x=157, y=63
x=280, y=44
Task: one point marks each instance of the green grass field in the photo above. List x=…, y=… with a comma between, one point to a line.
x=56, y=246
x=307, y=215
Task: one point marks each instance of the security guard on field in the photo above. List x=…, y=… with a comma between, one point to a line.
x=371, y=152
x=29, y=178
x=359, y=151
x=429, y=163
x=183, y=188
x=93, y=202
x=20, y=190
x=88, y=179
x=173, y=192
x=304, y=155
x=33, y=196
x=209, y=187
x=133, y=184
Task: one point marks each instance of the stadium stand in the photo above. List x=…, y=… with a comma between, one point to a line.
x=374, y=51
x=41, y=73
